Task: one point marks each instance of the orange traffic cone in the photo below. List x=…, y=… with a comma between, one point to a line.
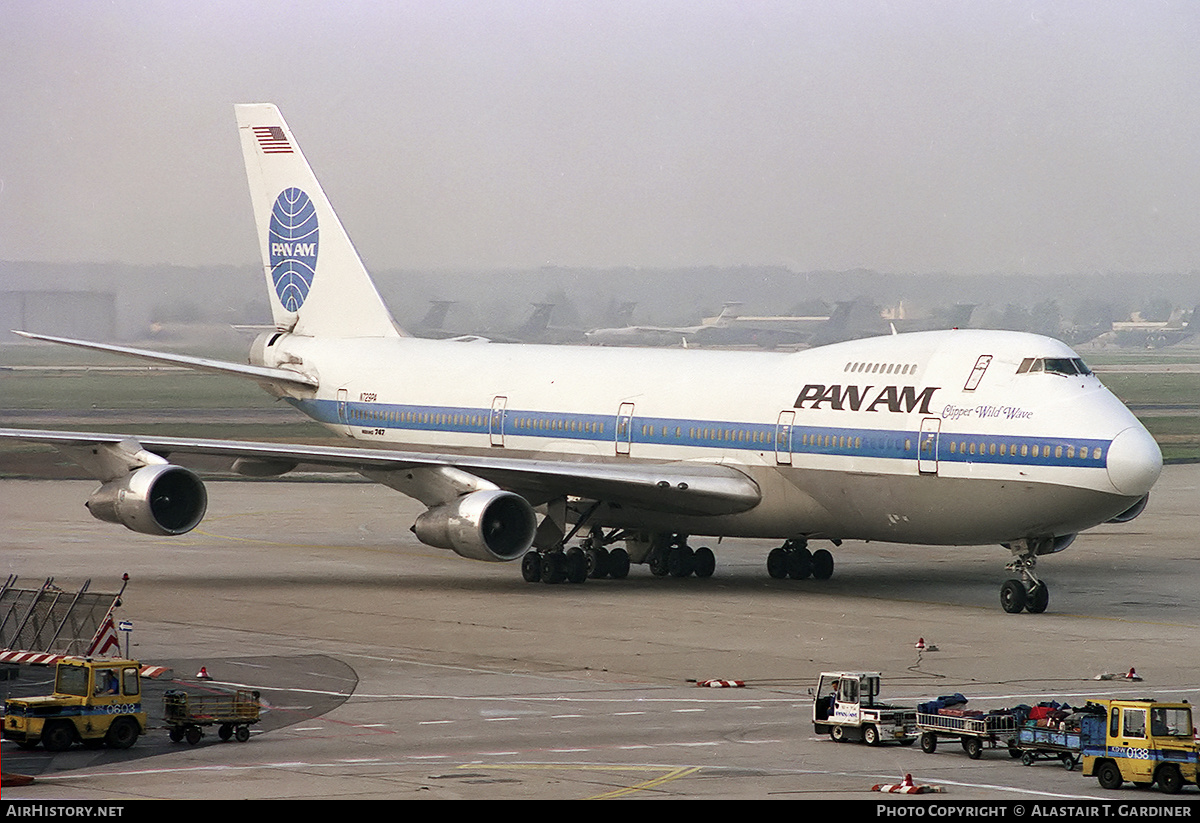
x=203, y=674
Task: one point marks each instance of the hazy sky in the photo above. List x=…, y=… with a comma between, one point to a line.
x=961, y=136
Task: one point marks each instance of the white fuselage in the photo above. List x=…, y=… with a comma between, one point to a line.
x=931, y=437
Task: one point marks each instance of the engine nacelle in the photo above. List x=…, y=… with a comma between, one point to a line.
x=1132, y=512
x=1056, y=544
x=485, y=525
x=161, y=499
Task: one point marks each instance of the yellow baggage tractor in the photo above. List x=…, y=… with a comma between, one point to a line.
x=96, y=702
x=1144, y=741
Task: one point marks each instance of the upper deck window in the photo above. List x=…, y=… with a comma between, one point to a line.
x=1067, y=366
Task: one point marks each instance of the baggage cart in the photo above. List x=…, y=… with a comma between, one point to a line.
x=974, y=732
x=1047, y=743
x=232, y=714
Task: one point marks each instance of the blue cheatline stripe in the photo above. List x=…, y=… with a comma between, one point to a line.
x=714, y=434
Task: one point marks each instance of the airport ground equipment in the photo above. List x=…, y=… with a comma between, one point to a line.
x=1036, y=743
x=846, y=707
x=1143, y=741
x=974, y=732
x=96, y=702
x=233, y=714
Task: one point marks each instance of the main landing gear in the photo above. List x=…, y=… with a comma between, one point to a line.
x=575, y=564
x=678, y=559
x=1027, y=593
x=794, y=560
x=668, y=556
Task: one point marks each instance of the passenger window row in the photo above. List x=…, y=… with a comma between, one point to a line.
x=1005, y=449
x=860, y=367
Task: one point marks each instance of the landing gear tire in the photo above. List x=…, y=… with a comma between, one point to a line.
x=777, y=564
x=553, y=567
x=1013, y=596
x=704, y=563
x=531, y=567
x=597, y=562
x=822, y=564
x=618, y=564
x=1038, y=599
x=658, y=564
x=799, y=564
x=576, y=565
x=680, y=561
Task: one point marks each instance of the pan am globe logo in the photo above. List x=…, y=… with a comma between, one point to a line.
x=292, y=239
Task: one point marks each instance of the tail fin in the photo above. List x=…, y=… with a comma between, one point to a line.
x=729, y=313
x=316, y=282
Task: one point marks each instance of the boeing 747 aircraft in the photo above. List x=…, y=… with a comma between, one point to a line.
x=958, y=437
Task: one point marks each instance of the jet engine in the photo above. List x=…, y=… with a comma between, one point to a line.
x=490, y=524
x=1132, y=512
x=161, y=499
x=1056, y=544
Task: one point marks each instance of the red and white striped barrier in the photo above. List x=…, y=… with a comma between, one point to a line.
x=44, y=659
x=721, y=684
x=30, y=658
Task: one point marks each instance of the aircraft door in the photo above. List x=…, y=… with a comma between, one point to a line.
x=624, y=428
x=783, y=437
x=927, y=446
x=496, y=420
x=977, y=373
x=343, y=410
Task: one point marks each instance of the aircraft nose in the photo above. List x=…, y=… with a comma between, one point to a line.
x=1134, y=461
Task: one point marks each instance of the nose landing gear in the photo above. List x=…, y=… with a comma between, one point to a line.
x=1027, y=593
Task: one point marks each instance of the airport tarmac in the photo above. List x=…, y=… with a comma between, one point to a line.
x=394, y=670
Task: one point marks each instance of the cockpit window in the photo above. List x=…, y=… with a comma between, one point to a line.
x=1068, y=366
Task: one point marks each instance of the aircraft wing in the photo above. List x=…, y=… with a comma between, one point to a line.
x=681, y=487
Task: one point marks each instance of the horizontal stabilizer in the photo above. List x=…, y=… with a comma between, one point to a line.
x=261, y=373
